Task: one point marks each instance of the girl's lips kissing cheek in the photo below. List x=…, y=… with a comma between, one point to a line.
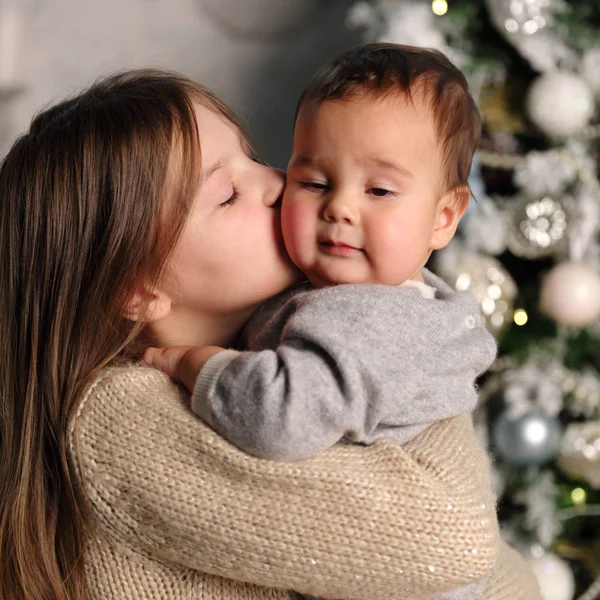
x=338, y=248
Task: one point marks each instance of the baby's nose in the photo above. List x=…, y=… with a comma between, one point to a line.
x=341, y=208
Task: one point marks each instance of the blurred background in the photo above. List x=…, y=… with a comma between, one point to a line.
x=528, y=247
x=256, y=54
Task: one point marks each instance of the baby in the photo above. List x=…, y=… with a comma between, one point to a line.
x=373, y=345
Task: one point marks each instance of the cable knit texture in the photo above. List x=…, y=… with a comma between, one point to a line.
x=178, y=512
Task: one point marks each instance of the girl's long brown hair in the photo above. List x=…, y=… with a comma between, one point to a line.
x=83, y=197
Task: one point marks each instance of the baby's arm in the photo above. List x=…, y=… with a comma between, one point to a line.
x=346, y=361
x=284, y=404
x=314, y=387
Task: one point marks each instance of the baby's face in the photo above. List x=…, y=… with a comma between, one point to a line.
x=362, y=198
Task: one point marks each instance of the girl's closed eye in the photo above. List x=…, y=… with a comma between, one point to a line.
x=232, y=199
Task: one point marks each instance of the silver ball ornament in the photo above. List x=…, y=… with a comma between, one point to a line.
x=537, y=228
x=570, y=294
x=560, y=103
x=530, y=440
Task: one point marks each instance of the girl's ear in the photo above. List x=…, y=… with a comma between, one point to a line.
x=451, y=207
x=147, y=306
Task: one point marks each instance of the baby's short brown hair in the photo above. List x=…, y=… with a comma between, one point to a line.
x=383, y=68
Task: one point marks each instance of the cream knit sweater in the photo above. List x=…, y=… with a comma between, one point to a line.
x=178, y=512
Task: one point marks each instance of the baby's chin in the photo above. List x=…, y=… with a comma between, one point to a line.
x=327, y=275
x=320, y=280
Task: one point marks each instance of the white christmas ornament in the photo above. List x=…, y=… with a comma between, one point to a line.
x=521, y=16
x=529, y=26
x=541, y=519
x=554, y=576
x=533, y=386
x=542, y=173
x=361, y=14
x=560, y=103
x=570, y=294
x=485, y=226
x=414, y=23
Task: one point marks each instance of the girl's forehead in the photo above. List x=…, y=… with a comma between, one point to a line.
x=216, y=132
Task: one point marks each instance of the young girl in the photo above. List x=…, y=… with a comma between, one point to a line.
x=135, y=214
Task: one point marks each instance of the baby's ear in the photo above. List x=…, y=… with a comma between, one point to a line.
x=451, y=207
x=147, y=306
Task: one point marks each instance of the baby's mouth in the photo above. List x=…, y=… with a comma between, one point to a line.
x=337, y=248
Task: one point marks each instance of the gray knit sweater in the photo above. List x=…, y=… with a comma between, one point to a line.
x=353, y=362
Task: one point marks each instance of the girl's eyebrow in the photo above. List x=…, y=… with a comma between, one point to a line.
x=209, y=171
x=247, y=147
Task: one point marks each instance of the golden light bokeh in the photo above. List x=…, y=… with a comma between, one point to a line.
x=439, y=7
x=520, y=317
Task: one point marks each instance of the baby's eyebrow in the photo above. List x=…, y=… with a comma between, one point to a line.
x=302, y=160
x=384, y=164
x=308, y=160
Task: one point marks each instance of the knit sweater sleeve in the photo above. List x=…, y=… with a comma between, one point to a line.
x=379, y=522
x=354, y=361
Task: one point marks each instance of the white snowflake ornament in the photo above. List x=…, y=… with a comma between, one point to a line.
x=543, y=173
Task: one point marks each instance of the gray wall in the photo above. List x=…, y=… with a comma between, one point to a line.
x=257, y=54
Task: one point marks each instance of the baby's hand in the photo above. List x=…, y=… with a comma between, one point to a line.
x=181, y=363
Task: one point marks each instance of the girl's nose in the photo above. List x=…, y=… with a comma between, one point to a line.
x=341, y=208
x=274, y=186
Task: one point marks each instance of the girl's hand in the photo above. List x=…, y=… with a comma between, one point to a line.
x=181, y=363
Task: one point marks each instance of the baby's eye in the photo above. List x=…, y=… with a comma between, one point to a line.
x=258, y=159
x=314, y=186
x=380, y=192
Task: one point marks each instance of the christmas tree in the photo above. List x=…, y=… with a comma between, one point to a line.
x=529, y=249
